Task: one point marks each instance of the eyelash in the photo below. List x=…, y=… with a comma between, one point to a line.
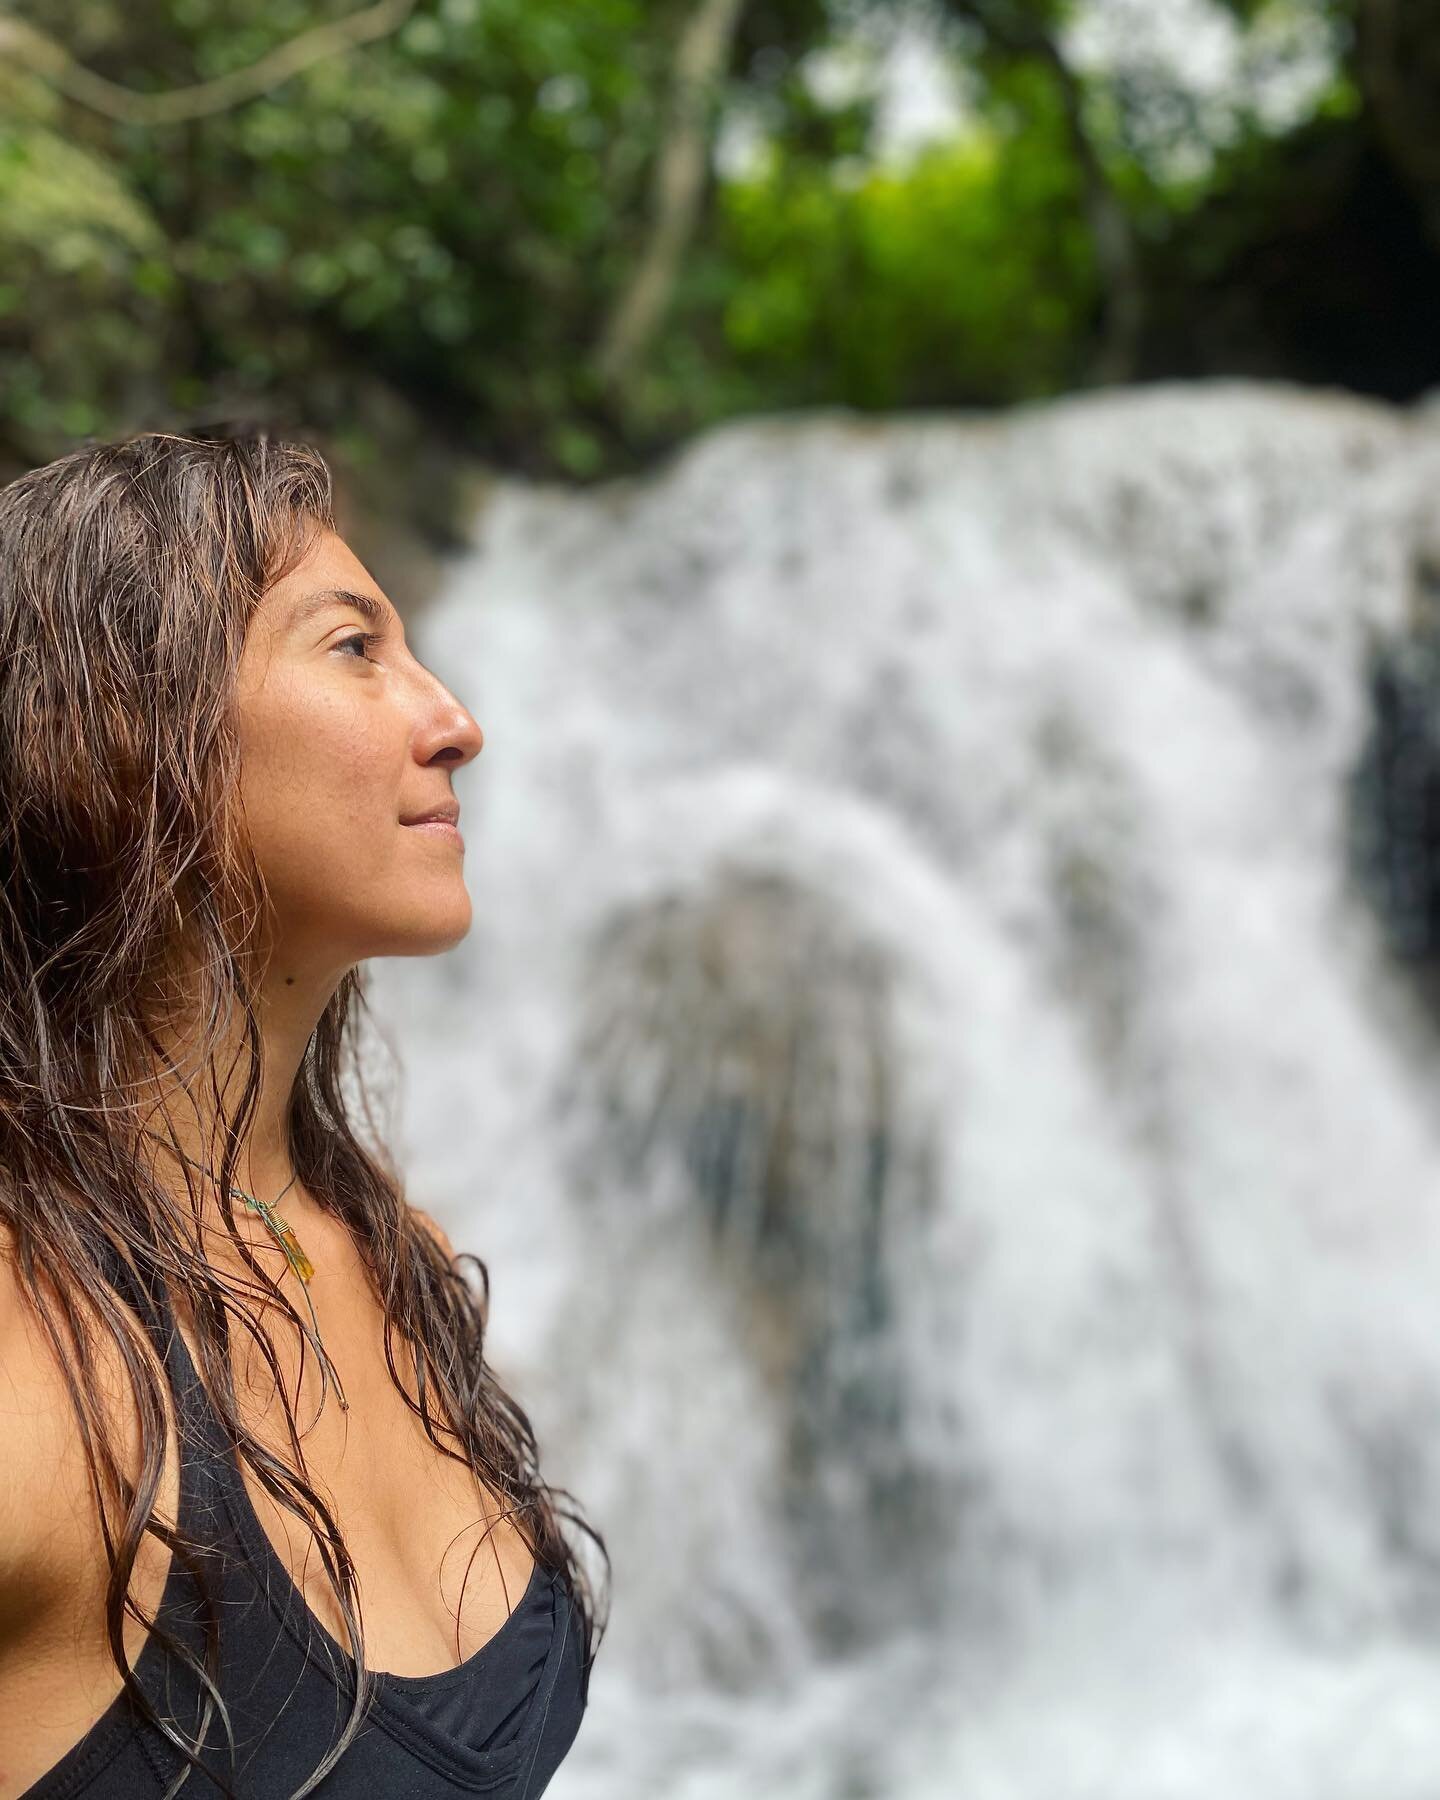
x=369, y=639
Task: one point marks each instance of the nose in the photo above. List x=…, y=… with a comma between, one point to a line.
x=451, y=733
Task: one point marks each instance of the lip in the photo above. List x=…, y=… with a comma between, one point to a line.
x=438, y=827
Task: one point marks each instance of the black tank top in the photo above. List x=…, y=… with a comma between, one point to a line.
x=497, y=1725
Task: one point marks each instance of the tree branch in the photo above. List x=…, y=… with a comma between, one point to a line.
x=51, y=60
x=701, y=57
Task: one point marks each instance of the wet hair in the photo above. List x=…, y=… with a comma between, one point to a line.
x=130, y=897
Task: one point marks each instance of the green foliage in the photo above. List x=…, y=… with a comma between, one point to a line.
x=85, y=288
x=443, y=212
x=966, y=277
x=421, y=239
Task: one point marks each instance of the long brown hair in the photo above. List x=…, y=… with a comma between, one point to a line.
x=128, y=575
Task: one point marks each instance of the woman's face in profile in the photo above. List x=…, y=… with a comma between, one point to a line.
x=341, y=741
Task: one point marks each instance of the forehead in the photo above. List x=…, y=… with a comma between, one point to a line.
x=329, y=575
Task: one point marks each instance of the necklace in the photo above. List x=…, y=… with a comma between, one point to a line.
x=281, y=1231
x=284, y=1235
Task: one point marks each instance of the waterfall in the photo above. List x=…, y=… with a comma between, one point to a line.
x=955, y=1140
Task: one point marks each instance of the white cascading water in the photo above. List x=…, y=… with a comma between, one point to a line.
x=958, y=1171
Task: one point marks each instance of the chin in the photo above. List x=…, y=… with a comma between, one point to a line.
x=438, y=932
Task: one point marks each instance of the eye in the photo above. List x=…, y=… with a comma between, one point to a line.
x=367, y=640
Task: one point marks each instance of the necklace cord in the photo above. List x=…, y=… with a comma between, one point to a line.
x=295, y=1257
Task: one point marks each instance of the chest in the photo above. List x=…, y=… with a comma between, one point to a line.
x=440, y=1566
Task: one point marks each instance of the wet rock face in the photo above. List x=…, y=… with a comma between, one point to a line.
x=742, y=1035
x=1395, y=799
x=1394, y=793
x=762, y=1024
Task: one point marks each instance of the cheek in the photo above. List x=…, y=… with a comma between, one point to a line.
x=319, y=788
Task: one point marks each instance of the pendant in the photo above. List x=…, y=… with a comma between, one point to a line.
x=298, y=1260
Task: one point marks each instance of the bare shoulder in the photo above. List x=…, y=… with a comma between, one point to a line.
x=37, y=1437
x=48, y=1523
x=27, y=1375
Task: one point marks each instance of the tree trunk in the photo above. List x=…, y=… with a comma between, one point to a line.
x=1397, y=44
x=1110, y=233
x=701, y=58
x=1019, y=32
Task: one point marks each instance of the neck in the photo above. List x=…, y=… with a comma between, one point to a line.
x=184, y=1115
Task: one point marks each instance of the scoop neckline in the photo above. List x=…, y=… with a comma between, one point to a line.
x=400, y=1699
x=235, y=1497
x=414, y=1684
x=247, y=1522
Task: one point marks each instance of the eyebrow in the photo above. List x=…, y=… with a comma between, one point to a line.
x=375, y=612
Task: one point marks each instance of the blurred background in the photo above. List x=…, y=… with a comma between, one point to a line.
x=934, y=508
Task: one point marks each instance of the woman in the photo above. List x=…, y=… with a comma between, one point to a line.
x=216, y=754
